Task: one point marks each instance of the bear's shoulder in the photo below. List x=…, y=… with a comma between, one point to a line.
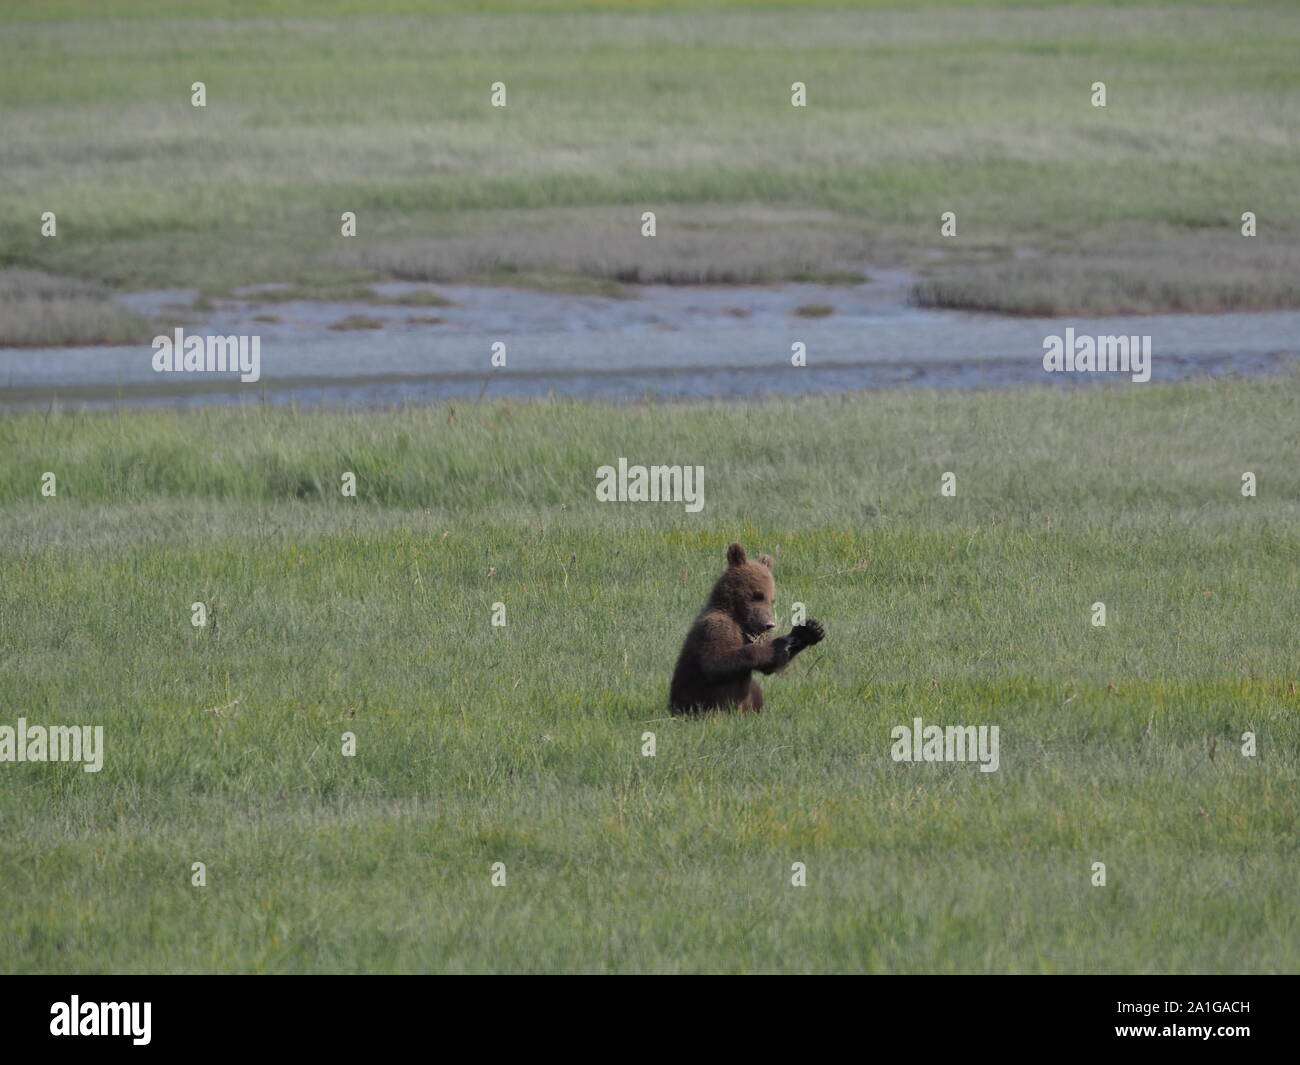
x=716, y=630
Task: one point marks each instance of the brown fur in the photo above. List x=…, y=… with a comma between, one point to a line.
x=722, y=650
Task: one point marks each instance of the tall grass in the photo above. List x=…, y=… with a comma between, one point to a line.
x=39, y=310
x=522, y=744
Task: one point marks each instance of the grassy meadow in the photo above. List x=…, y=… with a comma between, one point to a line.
x=522, y=744
x=383, y=109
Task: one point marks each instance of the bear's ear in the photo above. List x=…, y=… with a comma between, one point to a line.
x=736, y=555
x=766, y=560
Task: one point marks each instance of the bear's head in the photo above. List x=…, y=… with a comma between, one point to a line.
x=747, y=592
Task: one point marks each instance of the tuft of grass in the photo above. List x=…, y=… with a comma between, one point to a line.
x=571, y=249
x=828, y=277
x=335, y=292
x=561, y=281
x=357, y=321
x=40, y=310
x=327, y=291
x=415, y=298
x=1218, y=274
x=814, y=310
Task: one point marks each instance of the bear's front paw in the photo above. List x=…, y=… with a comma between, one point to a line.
x=780, y=656
x=809, y=633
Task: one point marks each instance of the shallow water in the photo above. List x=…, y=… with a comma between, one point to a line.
x=665, y=341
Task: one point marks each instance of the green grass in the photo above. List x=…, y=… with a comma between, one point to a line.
x=53, y=10
x=357, y=321
x=522, y=744
x=615, y=109
x=340, y=292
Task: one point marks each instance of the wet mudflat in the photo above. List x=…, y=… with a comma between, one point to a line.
x=670, y=342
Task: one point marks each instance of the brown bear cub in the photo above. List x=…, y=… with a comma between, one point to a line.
x=722, y=649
